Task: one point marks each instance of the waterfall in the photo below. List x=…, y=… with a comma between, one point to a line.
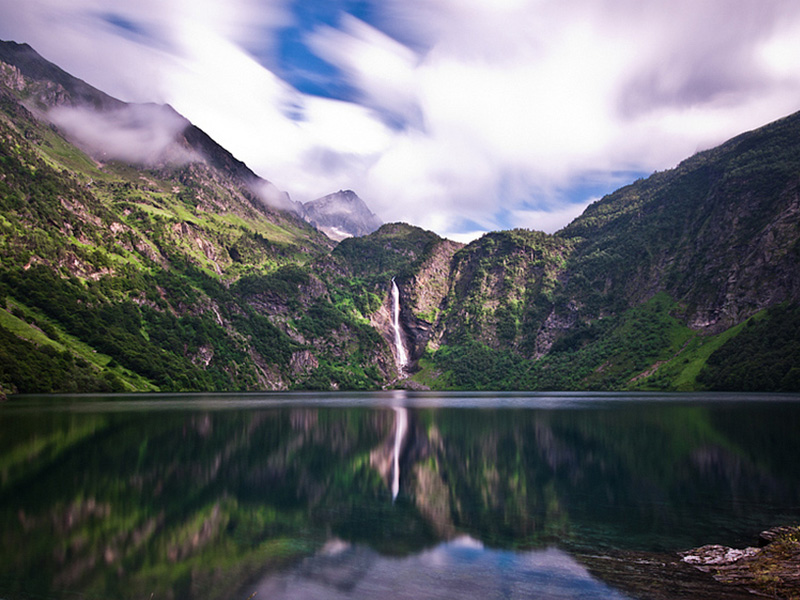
x=400, y=428
x=402, y=355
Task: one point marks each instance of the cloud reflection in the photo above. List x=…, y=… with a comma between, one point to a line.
x=461, y=568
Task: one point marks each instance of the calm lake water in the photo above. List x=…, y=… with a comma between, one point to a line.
x=402, y=495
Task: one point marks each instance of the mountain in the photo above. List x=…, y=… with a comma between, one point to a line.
x=109, y=129
x=648, y=288
x=341, y=215
x=49, y=84
x=718, y=233
x=149, y=258
x=138, y=254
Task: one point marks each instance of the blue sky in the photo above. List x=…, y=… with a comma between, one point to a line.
x=459, y=116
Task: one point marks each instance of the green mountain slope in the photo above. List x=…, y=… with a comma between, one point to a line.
x=643, y=289
x=117, y=275
x=169, y=265
x=719, y=233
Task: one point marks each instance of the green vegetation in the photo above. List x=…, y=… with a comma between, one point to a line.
x=689, y=231
x=178, y=278
x=27, y=368
x=503, y=288
x=125, y=278
x=764, y=356
x=394, y=250
x=646, y=348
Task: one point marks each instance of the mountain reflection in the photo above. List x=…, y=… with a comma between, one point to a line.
x=210, y=504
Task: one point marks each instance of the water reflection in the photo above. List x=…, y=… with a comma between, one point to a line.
x=400, y=430
x=122, y=501
x=461, y=568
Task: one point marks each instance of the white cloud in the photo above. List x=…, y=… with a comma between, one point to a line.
x=505, y=104
x=551, y=90
x=380, y=67
x=465, y=237
x=550, y=221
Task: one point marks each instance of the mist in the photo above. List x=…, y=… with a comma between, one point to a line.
x=144, y=134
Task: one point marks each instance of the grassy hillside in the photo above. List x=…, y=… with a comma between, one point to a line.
x=177, y=273
x=114, y=276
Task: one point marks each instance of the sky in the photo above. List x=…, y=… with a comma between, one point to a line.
x=459, y=116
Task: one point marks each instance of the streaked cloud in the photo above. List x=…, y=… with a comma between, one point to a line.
x=453, y=115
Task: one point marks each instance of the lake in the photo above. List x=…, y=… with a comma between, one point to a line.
x=395, y=494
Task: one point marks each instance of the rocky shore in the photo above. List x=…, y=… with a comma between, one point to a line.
x=772, y=569
x=713, y=572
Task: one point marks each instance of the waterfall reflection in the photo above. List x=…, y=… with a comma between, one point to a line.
x=194, y=504
x=400, y=429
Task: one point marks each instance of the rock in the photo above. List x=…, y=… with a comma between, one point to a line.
x=410, y=384
x=655, y=576
x=770, y=535
x=341, y=215
x=303, y=362
x=773, y=569
x=716, y=555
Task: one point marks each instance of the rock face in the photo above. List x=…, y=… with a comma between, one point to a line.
x=501, y=289
x=420, y=263
x=341, y=215
x=72, y=90
x=422, y=296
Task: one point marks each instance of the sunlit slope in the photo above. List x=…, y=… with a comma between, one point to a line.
x=122, y=275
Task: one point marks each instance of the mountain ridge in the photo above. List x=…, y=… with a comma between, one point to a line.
x=173, y=273
x=31, y=64
x=73, y=93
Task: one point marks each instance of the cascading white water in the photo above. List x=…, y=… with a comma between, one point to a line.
x=402, y=355
x=400, y=428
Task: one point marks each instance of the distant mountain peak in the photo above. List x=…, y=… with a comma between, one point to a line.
x=341, y=215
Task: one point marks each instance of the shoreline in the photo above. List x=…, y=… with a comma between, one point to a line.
x=772, y=568
x=711, y=572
